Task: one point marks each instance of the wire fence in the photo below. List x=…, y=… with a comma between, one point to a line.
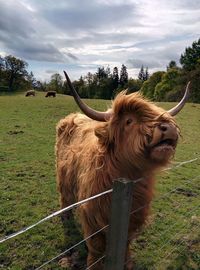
x=177, y=246
x=53, y=215
x=6, y=238
x=139, y=209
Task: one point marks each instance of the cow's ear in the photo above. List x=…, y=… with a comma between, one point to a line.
x=102, y=133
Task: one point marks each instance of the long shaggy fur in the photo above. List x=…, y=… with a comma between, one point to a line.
x=90, y=155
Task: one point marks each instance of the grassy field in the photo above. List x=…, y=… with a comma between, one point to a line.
x=28, y=189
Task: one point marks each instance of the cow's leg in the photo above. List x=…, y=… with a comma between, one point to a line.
x=96, y=249
x=71, y=233
x=65, y=201
x=95, y=244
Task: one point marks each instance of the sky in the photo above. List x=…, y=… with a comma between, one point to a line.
x=80, y=35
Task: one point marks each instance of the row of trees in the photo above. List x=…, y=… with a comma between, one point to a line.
x=160, y=86
x=102, y=84
x=105, y=84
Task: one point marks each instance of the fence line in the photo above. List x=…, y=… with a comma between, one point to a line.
x=171, y=227
x=7, y=237
x=182, y=227
x=53, y=215
x=181, y=241
x=72, y=247
x=165, y=195
x=196, y=226
x=181, y=163
x=101, y=258
x=76, y=205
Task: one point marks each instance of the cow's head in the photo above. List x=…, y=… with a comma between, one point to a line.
x=136, y=131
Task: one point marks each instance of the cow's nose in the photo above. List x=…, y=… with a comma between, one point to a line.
x=168, y=129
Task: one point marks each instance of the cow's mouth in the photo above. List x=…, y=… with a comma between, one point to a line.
x=169, y=143
x=163, y=150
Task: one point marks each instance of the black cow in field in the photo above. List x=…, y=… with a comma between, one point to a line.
x=51, y=94
x=30, y=93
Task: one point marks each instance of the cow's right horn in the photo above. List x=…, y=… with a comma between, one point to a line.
x=181, y=104
x=91, y=113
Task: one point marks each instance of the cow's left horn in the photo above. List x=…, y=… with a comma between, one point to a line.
x=93, y=114
x=181, y=104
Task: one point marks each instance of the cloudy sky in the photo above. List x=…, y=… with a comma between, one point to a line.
x=80, y=35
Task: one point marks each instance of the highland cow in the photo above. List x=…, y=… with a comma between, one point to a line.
x=30, y=93
x=133, y=139
x=51, y=94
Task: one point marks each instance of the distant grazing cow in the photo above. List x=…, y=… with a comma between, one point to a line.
x=133, y=139
x=51, y=94
x=30, y=93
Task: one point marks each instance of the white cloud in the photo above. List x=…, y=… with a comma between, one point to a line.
x=81, y=35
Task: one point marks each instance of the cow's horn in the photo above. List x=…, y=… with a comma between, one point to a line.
x=181, y=104
x=93, y=114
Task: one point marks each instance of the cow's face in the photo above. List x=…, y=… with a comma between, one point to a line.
x=140, y=132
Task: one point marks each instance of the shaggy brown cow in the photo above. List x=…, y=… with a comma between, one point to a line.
x=133, y=139
x=30, y=93
x=51, y=94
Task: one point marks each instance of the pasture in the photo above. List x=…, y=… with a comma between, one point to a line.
x=28, y=189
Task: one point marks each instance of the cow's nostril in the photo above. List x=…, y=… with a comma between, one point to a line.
x=163, y=127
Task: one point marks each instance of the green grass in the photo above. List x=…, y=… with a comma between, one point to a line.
x=28, y=189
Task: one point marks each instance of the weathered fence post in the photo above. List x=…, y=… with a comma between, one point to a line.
x=119, y=222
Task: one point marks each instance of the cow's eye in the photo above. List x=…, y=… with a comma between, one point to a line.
x=129, y=121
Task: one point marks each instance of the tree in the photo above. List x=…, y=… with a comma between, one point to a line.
x=134, y=85
x=148, y=87
x=15, y=68
x=143, y=75
x=146, y=74
x=56, y=83
x=123, y=75
x=31, y=79
x=81, y=88
x=190, y=57
x=172, y=64
x=2, y=72
x=1, y=64
x=167, y=85
x=115, y=78
x=101, y=73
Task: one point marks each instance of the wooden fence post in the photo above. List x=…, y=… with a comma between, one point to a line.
x=119, y=223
